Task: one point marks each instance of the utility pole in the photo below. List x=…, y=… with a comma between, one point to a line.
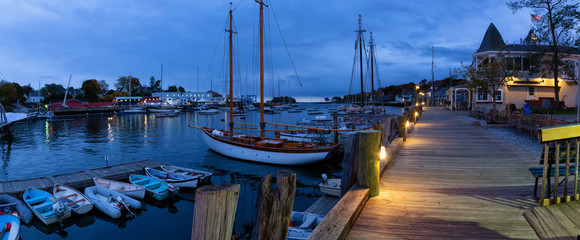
x=432, y=74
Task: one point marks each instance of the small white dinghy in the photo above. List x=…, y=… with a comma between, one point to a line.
x=330, y=186
x=72, y=198
x=205, y=177
x=128, y=189
x=111, y=202
x=178, y=180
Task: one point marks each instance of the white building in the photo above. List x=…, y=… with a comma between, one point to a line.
x=35, y=97
x=182, y=98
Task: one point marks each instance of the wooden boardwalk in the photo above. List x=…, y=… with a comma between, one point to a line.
x=451, y=180
x=78, y=179
x=560, y=221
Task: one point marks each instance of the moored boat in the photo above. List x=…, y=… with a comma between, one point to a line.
x=330, y=186
x=205, y=177
x=128, y=189
x=179, y=180
x=23, y=211
x=72, y=198
x=10, y=227
x=302, y=224
x=110, y=202
x=45, y=206
x=155, y=188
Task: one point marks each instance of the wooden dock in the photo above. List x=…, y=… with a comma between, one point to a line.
x=78, y=179
x=451, y=179
x=560, y=221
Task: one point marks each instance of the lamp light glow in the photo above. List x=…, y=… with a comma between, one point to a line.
x=416, y=114
x=407, y=124
x=383, y=153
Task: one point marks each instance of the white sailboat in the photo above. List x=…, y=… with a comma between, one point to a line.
x=259, y=148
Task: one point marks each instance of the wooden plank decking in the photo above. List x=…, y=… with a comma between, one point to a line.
x=451, y=180
x=80, y=178
x=560, y=221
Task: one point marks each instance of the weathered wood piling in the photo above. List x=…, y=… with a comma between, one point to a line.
x=215, y=211
x=274, y=206
x=368, y=162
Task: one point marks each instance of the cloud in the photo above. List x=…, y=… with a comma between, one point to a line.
x=105, y=39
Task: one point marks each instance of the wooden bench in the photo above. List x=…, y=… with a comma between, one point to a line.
x=537, y=172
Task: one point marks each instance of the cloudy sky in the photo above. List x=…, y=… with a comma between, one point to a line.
x=47, y=41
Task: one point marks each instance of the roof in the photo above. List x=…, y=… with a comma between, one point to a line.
x=531, y=38
x=492, y=40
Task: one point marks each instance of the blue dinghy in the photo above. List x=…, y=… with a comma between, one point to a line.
x=45, y=206
x=110, y=202
x=23, y=211
x=155, y=188
x=10, y=226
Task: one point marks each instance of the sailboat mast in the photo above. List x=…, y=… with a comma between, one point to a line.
x=372, y=49
x=231, y=123
x=66, y=92
x=262, y=123
x=362, y=91
x=161, y=85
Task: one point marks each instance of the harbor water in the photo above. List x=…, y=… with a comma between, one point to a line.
x=74, y=143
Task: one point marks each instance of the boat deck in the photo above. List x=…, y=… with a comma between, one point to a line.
x=79, y=179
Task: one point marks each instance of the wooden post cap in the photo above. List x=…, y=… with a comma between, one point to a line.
x=218, y=188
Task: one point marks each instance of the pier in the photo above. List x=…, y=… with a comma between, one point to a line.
x=79, y=179
x=451, y=179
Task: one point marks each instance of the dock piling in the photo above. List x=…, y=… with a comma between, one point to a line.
x=368, y=162
x=215, y=211
x=274, y=206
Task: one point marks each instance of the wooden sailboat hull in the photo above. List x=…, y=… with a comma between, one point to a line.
x=264, y=155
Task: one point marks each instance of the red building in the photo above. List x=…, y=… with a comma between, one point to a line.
x=76, y=104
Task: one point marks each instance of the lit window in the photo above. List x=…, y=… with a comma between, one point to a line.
x=531, y=91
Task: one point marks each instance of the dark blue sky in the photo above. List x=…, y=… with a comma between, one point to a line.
x=105, y=39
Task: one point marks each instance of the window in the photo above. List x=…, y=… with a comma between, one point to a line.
x=526, y=64
x=531, y=91
x=509, y=63
x=498, y=95
x=481, y=96
x=518, y=63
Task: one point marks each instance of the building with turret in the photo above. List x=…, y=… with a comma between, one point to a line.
x=529, y=87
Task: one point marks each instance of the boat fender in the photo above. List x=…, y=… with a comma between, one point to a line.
x=7, y=227
x=217, y=133
x=166, y=176
x=277, y=134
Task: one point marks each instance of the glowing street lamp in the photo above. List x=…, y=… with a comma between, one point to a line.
x=383, y=153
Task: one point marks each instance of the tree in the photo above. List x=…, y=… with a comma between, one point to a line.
x=172, y=88
x=104, y=86
x=336, y=99
x=488, y=77
x=52, y=91
x=557, y=23
x=326, y=99
x=8, y=95
x=181, y=89
x=91, y=89
x=124, y=82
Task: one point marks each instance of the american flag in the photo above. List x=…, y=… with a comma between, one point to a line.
x=536, y=18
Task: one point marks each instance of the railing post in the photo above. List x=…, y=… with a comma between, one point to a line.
x=215, y=211
x=274, y=207
x=368, y=162
x=403, y=127
x=545, y=174
x=566, y=199
x=556, y=172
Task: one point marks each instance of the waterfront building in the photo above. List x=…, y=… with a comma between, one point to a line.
x=77, y=104
x=126, y=101
x=184, y=98
x=34, y=97
x=535, y=89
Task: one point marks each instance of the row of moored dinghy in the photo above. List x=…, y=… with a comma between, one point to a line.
x=111, y=197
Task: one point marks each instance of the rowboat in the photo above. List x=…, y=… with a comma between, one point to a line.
x=110, y=202
x=302, y=224
x=205, y=177
x=45, y=206
x=330, y=186
x=9, y=202
x=179, y=180
x=155, y=188
x=128, y=189
x=10, y=227
x=72, y=198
